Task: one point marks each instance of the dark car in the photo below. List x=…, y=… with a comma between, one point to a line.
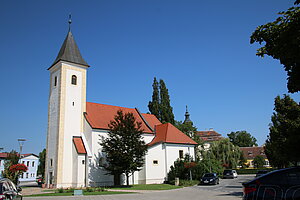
x=8, y=190
x=261, y=172
x=279, y=184
x=210, y=178
x=229, y=173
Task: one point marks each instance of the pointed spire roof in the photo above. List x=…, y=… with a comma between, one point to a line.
x=187, y=116
x=69, y=52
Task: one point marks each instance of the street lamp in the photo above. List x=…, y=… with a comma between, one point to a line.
x=21, y=143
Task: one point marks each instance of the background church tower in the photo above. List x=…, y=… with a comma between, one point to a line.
x=67, y=103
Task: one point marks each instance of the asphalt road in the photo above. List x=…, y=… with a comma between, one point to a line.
x=231, y=186
x=228, y=189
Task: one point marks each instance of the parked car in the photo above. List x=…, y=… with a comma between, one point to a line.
x=8, y=190
x=279, y=184
x=261, y=172
x=210, y=178
x=229, y=173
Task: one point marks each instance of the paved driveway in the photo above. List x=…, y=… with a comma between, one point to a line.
x=232, y=186
x=228, y=189
x=178, y=194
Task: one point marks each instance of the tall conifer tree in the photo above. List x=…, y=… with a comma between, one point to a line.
x=160, y=105
x=165, y=106
x=154, y=105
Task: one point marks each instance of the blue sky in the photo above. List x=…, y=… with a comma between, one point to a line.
x=199, y=48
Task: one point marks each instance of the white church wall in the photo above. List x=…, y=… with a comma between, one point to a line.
x=97, y=174
x=155, y=164
x=72, y=123
x=148, y=137
x=172, y=151
x=81, y=170
x=52, y=125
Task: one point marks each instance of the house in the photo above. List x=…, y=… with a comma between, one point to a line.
x=251, y=152
x=74, y=156
x=30, y=160
x=209, y=136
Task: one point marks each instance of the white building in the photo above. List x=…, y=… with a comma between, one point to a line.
x=74, y=156
x=30, y=160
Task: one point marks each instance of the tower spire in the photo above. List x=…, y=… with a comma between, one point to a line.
x=187, y=116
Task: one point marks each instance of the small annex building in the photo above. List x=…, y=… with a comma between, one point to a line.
x=30, y=160
x=74, y=155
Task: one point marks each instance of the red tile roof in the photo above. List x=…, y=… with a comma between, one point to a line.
x=210, y=135
x=251, y=152
x=167, y=133
x=100, y=115
x=79, y=145
x=4, y=155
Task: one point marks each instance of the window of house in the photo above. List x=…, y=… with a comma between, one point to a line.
x=0, y=162
x=51, y=162
x=55, y=80
x=74, y=80
x=155, y=162
x=32, y=163
x=23, y=162
x=181, y=154
x=27, y=163
x=82, y=162
x=22, y=175
x=27, y=175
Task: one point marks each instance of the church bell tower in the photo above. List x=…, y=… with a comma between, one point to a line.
x=67, y=103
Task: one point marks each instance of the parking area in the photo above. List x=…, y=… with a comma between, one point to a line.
x=230, y=186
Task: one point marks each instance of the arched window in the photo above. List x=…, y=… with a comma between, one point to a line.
x=74, y=80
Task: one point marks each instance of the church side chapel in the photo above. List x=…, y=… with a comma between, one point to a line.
x=75, y=127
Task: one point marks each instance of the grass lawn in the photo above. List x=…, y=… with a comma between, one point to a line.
x=148, y=187
x=71, y=193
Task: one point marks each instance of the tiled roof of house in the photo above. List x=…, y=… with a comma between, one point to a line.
x=5, y=155
x=167, y=133
x=100, y=115
x=251, y=152
x=79, y=145
x=209, y=135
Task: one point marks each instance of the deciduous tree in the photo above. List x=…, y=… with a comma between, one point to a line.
x=282, y=146
x=124, y=147
x=242, y=139
x=225, y=152
x=281, y=40
x=41, y=167
x=259, y=161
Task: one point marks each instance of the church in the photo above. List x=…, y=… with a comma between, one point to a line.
x=74, y=155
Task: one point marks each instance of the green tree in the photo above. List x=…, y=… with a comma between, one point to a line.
x=242, y=139
x=165, y=104
x=225, y=152
x=42, y=160
x=160, y=105
x=154, y=105
x=12, y=159
x=259, y=161
x=282, y=146
x=190, y=130
x=124, y=147
x=187, y=128
x=282, y=40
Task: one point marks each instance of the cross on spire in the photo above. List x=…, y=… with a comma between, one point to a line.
x=70, y=21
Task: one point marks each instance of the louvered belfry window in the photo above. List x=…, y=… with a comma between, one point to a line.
x=74, y=80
